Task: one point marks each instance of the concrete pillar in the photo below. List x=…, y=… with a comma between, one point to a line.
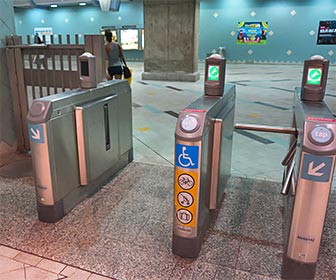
x=171, y=40
x=8, y=143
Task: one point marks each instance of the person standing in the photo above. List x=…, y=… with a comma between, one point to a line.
x=114, y=57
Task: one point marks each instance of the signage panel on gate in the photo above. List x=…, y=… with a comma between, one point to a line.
x=36, y=134
x=186, y=198
x=186, y=156
x=316, y=168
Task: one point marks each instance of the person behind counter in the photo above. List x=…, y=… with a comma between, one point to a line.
x=114, y=57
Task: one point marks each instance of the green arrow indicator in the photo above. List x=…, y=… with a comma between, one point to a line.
x=314, y=76
x=213, y=73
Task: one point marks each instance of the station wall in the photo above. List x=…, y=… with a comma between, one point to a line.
x=291, y=36
x=292, y=29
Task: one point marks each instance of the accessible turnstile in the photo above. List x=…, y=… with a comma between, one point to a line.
x=308, y=179
x=203, y=148
x=309, y=167
x=79, y=139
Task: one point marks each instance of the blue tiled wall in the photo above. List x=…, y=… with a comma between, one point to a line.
x=293, y=26
x=293, y=29
x=80, y=20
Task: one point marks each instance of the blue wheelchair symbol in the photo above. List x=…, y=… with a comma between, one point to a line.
x=186, y=156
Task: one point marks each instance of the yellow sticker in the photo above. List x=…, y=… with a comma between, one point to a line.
x=143, y=129
x=186, y=197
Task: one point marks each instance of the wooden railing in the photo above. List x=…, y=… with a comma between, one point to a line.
x=40, y=70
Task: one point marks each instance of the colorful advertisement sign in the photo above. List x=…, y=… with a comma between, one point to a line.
x=327, y=33
x=252, y=32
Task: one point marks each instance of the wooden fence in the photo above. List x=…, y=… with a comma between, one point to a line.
x=38, y=70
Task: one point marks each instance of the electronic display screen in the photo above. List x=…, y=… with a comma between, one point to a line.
x=213, y=73
x=84, y=68
x=314, y=76
x=129, y=39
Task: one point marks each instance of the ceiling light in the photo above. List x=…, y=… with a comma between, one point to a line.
x=53, y=6
x=82, y=4
x=105, y=5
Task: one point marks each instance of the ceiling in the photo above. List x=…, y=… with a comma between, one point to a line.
x=47, y=3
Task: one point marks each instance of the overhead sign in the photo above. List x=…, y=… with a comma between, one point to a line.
x=316, y=168
x=36, y=134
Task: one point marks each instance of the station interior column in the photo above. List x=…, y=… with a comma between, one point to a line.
x=7, y=124
x=171, y=40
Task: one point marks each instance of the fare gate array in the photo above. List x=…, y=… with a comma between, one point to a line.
x=203, y=144
x=78, y=139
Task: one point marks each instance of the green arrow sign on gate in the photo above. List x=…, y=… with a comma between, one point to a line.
x=314, y=76
x=213, y=73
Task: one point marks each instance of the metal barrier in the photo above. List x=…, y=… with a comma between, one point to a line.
x=309, y=177
x=309, y=167
x=78, y=139
x=203, y=147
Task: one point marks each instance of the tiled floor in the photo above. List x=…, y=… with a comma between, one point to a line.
x=264, y=96
x=18, y=265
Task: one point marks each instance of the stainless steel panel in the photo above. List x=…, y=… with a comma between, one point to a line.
x=309, y=213
x=81, y=146
x=125, y=122
x=42, y=170
x=313, y=183
x=63, y=153
x=216, y=154
x=227, y=115
x=99, y=158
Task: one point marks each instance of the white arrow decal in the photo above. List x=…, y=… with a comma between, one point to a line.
x=313, y=171
x=35, y=133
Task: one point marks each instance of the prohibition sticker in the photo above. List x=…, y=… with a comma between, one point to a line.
x=185, y=199
x=184, y=216
x=186, y=181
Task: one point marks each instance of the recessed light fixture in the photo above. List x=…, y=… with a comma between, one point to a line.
x=82, y=4
x=53, y=6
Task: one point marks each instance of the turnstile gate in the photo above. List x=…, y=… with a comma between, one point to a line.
x=309, y=179
x=79, y=139
x=203, y=147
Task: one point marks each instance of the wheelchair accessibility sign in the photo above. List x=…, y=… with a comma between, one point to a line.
x=186, y=156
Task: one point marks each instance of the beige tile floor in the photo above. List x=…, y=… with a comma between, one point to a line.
x=16, y=265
